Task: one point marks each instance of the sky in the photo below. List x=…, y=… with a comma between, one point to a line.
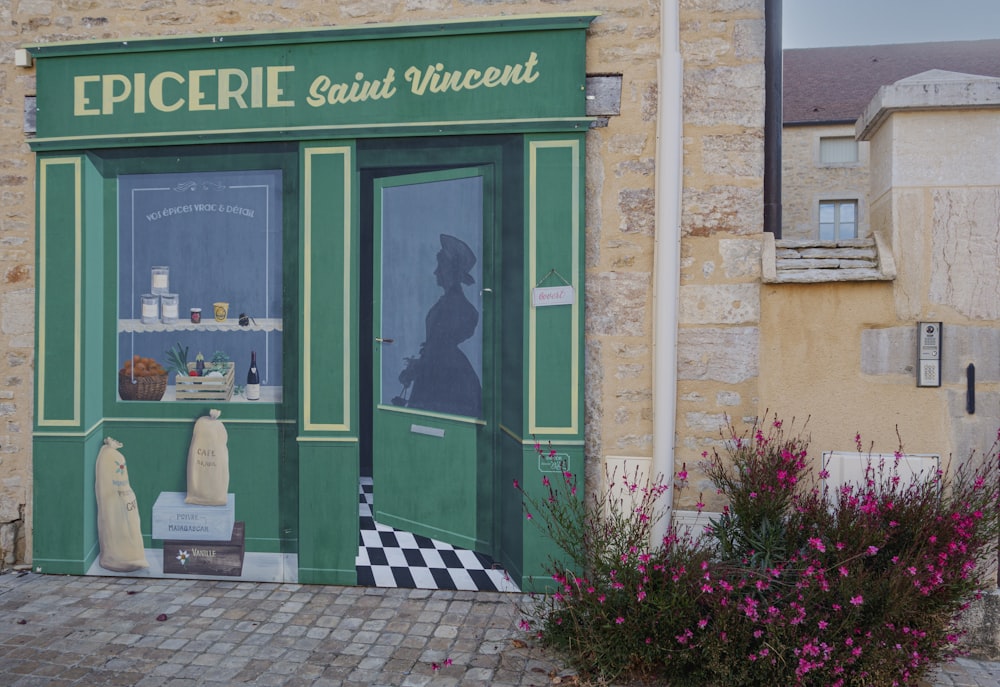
x=823, y=23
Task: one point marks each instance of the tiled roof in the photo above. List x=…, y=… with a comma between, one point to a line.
x=836, y=84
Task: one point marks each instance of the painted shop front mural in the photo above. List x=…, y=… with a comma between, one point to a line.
x=306, y=301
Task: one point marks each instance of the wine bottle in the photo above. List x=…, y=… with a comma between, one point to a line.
x=253, y=379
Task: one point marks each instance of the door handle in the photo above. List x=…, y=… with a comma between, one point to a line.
x=381, y=340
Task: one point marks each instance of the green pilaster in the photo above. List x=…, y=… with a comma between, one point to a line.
x=68, y=334
x=59, y=316
x=328, y=502
x=329, y=268
x=328, y=422
x=553, y=341
x=65, y=526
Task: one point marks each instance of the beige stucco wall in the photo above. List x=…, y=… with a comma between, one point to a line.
x=811, y=369
x=723, y=103
x=805, y=181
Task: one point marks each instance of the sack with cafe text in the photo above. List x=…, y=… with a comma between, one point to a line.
x=208, y=462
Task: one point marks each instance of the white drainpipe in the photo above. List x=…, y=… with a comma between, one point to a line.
x=666, y=260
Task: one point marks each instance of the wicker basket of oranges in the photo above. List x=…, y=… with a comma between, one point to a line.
x=141, y=379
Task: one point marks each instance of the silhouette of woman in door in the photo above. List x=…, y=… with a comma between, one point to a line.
x=441, y=378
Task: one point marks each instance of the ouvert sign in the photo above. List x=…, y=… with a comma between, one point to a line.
x=519, y=74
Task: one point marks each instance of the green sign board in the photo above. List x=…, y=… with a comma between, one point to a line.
x=517, y=73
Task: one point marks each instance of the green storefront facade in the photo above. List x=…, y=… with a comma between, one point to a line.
x=310, y=179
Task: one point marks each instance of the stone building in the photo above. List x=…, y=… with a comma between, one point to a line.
x=824, y=92
x=690, y=313
x=673, y=214
x=835, y=97
x=919, y=259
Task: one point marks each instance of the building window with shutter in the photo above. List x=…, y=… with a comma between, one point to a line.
x=838, y=150
x=838, y=220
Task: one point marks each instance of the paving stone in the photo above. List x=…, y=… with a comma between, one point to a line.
x=103, y=632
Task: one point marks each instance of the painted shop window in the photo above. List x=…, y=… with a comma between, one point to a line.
x=838, y=220
x=200, y=284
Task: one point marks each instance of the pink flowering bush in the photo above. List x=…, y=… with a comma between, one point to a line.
x=609, y=585
x=794, y=584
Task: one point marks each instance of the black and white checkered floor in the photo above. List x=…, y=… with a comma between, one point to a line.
x=392, y=558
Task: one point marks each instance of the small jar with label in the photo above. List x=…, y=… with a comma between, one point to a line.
x=150, y=312
x=160, y=283
x=195, y=315
x=168, y=308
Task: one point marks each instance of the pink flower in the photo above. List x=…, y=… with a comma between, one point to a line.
x=817, y=544
x=857, y=600
x=619, y=620
x=516, y=484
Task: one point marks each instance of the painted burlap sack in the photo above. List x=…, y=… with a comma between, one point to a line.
x=208, y=462
x=119, y=531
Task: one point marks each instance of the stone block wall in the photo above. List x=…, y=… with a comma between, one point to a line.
x=722, y=44
x=17, y=293
x=718, y=340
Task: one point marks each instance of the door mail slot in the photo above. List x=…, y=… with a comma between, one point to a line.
x=428, y=431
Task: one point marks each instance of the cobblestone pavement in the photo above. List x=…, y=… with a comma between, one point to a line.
x=97, y=631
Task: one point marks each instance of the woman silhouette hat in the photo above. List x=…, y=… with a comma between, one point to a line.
x=459, y=256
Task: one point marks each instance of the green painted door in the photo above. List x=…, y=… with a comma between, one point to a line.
x=432, y=425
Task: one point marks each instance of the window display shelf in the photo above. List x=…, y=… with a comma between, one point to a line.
x=206, y=325
x=268, y=394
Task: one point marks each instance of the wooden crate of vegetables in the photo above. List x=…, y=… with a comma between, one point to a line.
x=215, y=383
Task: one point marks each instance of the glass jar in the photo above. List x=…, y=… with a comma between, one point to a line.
x=160, y=282
x=150, y=312
x=168, y=308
